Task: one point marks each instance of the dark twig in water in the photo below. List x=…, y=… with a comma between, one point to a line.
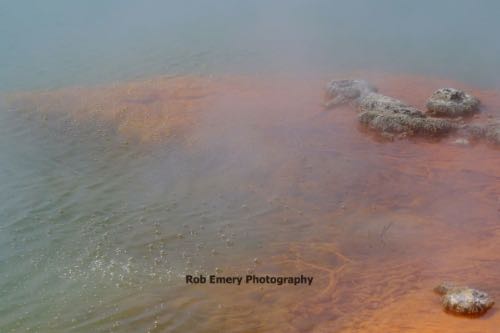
x=384, y=231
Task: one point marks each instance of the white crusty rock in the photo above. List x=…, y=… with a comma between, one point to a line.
x=388, y=115
x=392, y=117
x=452, y=103
x=381, y=103
x=464, y=300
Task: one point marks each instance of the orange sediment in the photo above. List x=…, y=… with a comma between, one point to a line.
x=147, y=111
x=378, y=224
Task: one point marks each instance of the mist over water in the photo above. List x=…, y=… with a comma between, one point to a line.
x=56, y=43
x=141, y=141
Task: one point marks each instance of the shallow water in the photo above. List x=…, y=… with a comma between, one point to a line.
x=110, y=223
x=114, y=189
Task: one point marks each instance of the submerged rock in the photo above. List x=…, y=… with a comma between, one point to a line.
x=493, y=133
x=475, y=131
x=464, y=300
x=346, y=91
x=389, y=115
x=489, y=131
x=461, y=142
x=450, y=102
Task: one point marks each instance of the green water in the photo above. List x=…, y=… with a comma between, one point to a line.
x=92, y=228
x=97, y=235
x=56, y=43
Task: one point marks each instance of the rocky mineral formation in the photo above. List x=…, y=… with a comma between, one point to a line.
x=388, y=115
x=392, y=117
x=346, y=91
x=452, y=103
x=464, y=300
x=380, y=103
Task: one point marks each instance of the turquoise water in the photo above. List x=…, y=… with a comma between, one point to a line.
x=57, y=43
x=96, y=233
